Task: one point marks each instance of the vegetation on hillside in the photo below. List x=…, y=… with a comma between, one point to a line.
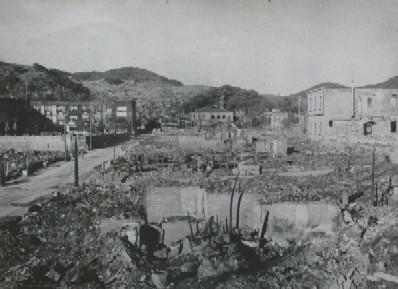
x=117, y=76
x=37, y=82
x=390, y=83
x=236, y=99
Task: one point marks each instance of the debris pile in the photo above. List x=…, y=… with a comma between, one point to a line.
x=99, y=236
x=13, y=163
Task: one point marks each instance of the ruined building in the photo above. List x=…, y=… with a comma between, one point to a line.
x=75, y=115
x=353, y=115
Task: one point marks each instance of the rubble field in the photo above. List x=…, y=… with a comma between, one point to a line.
x=98, y=236
x=14, y=163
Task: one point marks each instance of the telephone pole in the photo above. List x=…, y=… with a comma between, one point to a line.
x=76, y=164
x=65, y=130
x=299, y=108
x=373, y=171
x=91, y=139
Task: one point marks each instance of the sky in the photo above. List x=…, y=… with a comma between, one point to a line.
x=276, y=46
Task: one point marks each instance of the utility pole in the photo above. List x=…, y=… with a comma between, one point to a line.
x=26, y=92
x=299, y=109
x=76, y=164
x=91, y=139
x=66, y=148
x=373, y=170
x=102, y=117
x=2, y=175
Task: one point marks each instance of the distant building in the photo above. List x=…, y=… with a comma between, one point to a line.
x=74, y=115
x=361, y=115
x=111, y=117
x=208, y=115
x=276, y=118
x=125, y=114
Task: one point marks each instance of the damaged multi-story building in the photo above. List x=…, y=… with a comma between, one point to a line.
x=353, y=115
x=118, y=115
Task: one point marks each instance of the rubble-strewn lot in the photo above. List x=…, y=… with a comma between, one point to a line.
x=87, y=238
x=13, y=162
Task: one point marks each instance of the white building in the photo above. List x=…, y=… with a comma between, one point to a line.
x=210, y=115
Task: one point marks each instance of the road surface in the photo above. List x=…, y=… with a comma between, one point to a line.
x=15, y=197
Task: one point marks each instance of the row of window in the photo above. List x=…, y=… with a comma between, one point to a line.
x=218, y=116
x=213, y=116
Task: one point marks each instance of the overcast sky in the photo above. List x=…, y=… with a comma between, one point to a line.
x=281, y=46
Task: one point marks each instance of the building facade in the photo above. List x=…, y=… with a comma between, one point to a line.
x=75, y=116
x=276, y=119
x=125, y=114
x=353, y=115
x=82, y=117
x=208, y=115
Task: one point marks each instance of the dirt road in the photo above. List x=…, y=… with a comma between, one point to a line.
x=58, y=177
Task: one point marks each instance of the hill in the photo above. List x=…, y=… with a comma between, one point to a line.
x=390, y=83
x=156, y=94
x=119, y=75
x=39, y=83
x=236, y=98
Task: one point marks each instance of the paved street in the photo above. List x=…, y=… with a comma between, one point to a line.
x=58, y=177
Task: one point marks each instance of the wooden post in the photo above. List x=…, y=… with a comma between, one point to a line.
x=190, y=226
x=264, y=227
x=76, y=164
x=238, y=209
x=377, y=196
x=231, y=202
x=226, y=225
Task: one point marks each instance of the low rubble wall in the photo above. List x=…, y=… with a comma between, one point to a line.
x=196, y=141
x=163, y=202
x=286, y=220
x=291, y=220
x=250, y=210
x=40, y=143
x=32, y=143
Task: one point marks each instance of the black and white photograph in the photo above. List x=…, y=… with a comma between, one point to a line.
x=198, y=144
